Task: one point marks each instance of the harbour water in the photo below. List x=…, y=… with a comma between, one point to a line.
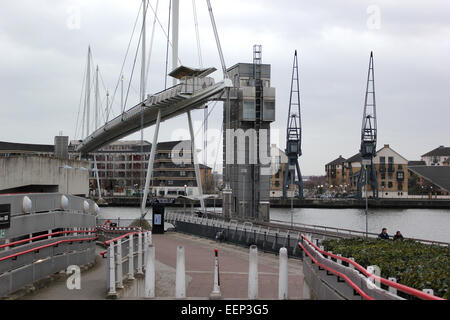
x=428, y=224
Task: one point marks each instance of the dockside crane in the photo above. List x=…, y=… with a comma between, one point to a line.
x=293, y=135
x=368, y=174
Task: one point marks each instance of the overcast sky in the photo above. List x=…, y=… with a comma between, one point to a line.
x=43, y=47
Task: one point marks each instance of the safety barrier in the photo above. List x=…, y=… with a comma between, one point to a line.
x=42, y=234
x=27, y=262
x=126, y=257
x=334, y=232
x=240, y=233
x=354, y=275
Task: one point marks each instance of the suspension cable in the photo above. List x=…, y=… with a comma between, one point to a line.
x=125, y=58
x=151, y=40
x=197, y=34
x=81, y=99
x=167, y=46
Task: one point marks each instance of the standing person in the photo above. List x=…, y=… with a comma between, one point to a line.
x=383, y=234
x=398, y=236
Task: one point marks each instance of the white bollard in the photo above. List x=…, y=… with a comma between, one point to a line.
x=339, y=261
x=428, y=291
x=371, y=281
x=112, y=276
x=150, y=237
x=150, y=272
x=119, y=264
x=391, y=289
x=131, y=259
x=350, y=265
x=306, y=290
x=180, y=280
x=139, y=261
x=216, y=294
x=146, y=244
x=329, y=257
x=283, y=275
x=253, y=273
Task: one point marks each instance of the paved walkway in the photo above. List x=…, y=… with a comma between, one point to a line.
x=93, y=285
x=199, y=258
x=233, y=260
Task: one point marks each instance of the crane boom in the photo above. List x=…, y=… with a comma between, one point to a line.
x=368, y=175
x=293, y=135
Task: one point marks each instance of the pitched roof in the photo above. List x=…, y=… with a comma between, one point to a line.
x=439, y=151
x=169, y=145
x=356, y=158
x=416, y=163
x=25, y=147
x=438, y=175
x=337, y=161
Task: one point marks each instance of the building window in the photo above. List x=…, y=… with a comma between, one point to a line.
x=390, y=184
x=269, y=110
x=182, y=173
x=170, y=182
x=383, y=175
x=248, y=110
x=391, y=164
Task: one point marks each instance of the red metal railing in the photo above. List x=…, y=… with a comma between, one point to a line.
x=44, y=236
x=398, y=286
x=46, y=246
x=121, y=237
x=118, y=230
x=343, y=276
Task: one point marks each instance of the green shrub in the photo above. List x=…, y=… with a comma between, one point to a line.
x=141, y=223
x=414, y=264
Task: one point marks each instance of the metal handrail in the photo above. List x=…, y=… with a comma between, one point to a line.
x=339, y=274
x=398, y=286
x=337, y=230
x=44, y=236
x=121, y=237
x=46, y=246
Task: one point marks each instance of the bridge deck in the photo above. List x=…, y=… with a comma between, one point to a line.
x=199, y=272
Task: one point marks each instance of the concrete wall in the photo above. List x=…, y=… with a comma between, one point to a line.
x=27, y=171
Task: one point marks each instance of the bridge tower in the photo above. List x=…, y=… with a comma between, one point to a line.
x=246, y=147
x=368, y=174
x=293, y=135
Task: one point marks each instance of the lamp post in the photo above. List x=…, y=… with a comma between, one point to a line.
x=243, y=171
x=367, y=203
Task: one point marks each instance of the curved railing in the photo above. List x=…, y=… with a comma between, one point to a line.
x=339, y=274
x=408, y=290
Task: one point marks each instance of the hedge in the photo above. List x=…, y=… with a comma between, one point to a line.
x=412, y=263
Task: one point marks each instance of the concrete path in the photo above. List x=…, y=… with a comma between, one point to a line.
x=234, y=263
x=93, y=285
x=199, y=257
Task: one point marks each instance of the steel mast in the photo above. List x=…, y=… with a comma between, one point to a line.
x=368, y=174
x=293, y=135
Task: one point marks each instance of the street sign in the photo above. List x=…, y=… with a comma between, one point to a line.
x=2, y=233
x=366, y=162
x=5, y=216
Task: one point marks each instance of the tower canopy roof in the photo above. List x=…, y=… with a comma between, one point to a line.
x=183, y=71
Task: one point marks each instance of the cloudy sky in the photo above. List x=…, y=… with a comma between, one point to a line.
x=43, y=47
